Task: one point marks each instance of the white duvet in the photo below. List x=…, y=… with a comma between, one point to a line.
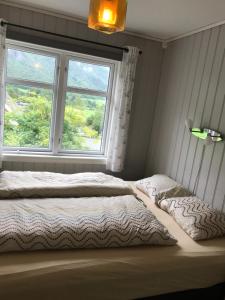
x=81, y=222
x=47, y=184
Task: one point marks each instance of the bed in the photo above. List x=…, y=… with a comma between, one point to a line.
x=115, y=273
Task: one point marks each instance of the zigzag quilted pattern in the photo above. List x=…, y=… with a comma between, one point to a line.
x=94, y=222
x=198, y=219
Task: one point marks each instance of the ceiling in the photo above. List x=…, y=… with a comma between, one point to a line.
x=163, y=19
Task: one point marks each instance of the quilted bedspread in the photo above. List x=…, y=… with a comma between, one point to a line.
x=63, y=212
x=94, y=222
x=46, y=184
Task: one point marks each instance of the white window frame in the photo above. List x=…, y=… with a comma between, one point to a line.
x=34, y=84
x=60, y=89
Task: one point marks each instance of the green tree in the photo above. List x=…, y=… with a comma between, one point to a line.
x=28, y=115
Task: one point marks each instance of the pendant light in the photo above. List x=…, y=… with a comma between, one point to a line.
x=107, y=16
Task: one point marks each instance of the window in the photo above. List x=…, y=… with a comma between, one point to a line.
x=29, y=100
x=56, y=102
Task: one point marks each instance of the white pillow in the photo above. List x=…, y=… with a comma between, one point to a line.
x=197, y=218
x=160, y=186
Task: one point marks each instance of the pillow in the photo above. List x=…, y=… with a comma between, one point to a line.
x=198, y=219
x=160, y=187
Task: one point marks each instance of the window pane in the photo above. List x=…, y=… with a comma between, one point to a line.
x=30, y=66
x=83, y=122
x=88, y=76
x=27, y=116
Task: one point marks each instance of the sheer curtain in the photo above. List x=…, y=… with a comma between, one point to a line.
x=121, y=111
x=2, y=88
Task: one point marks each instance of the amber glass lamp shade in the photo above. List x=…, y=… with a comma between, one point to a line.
x=108, y=16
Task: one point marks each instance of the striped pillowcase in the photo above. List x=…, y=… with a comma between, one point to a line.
x=198, y=219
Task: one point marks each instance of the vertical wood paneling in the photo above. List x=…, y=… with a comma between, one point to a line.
x=197, y=74
x=184, y=108
x=60, y=26
x=193, y=85
x=160, y=108
x=181, y=82
x=196, y=100
x=207, y=76
x=38, y=21
x=71, y=28
x=145, y=91
x=169, y=109
x=210, y=101
x=49, y=23
x=26, y=18
x=15, y=15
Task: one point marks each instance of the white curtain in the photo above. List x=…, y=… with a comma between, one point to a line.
x=2, y=87
x=121, y=111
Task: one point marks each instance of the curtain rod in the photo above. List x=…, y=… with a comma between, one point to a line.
x=65, y=36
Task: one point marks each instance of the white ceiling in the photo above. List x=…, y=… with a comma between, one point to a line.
x=164, y=19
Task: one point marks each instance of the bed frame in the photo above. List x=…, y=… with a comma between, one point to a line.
x=216, y=292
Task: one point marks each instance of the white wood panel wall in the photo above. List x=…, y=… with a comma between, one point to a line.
x=53, y=167
x=145, y=92
x=192, y=86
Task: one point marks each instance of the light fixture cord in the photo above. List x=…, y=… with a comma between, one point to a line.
x=199, y=169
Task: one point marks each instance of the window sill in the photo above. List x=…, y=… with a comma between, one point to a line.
x=45, y=158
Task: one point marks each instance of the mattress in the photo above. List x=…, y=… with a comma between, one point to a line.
x=124, y=273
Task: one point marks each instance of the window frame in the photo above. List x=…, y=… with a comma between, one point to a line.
x=34, y=84
x=60, y=88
